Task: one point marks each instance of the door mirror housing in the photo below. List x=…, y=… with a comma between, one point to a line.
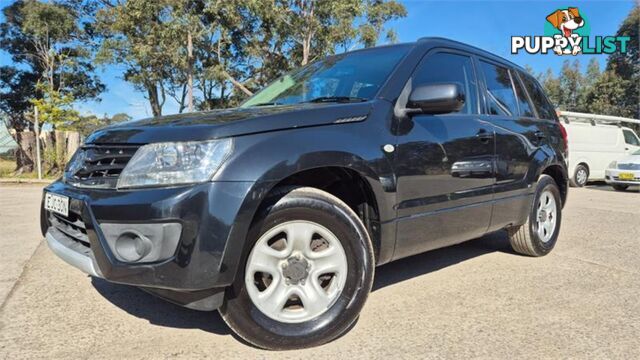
x=436, y=99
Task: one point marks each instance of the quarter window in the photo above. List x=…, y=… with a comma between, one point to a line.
x=450, y=68
x=523, y=102
x=540, y=101
x=500, y=97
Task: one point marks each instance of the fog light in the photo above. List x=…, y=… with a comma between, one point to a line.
x=133, y=246
x=142, y=243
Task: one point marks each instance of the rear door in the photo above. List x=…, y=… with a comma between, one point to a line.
x=519, y=135
x=443, y=164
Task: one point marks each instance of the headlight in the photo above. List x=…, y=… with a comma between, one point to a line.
x=613, y=165
x=174, y=163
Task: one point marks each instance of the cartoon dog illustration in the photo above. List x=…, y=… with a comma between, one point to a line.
x=566, y=21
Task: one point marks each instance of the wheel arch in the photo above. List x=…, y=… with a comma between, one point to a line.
x=560, y=176
x=362, y=194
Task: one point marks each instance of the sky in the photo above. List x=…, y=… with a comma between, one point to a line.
x=485, y=24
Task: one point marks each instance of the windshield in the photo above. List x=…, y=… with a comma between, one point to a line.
x=349, y=77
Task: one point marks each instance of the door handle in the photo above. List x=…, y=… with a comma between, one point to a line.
x=484, y=136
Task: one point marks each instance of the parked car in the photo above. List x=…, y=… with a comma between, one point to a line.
x=625, y=172
x=277, y=212
x=594, y=144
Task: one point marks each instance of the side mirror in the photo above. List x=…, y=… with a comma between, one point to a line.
x=436, y=99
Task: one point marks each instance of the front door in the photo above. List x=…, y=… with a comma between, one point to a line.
x=444, y=164
x=632, y=143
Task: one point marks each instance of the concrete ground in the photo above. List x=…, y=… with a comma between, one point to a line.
x=476, y=300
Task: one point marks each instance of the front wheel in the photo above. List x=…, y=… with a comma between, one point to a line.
x=539, y=234
x=620, y=187
x=307, y=275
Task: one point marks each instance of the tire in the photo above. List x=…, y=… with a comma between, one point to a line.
x=580, y=176
x=620, y=187
x=527, y=239
x=300, y=323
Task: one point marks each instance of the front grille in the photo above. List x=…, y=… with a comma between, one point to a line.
x=72, y=226
x=629, y=166
x=99, y=165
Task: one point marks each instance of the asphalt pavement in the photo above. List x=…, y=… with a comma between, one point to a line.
x=477, y=299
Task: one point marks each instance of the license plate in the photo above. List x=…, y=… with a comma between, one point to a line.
x=56, y=203
x=625, y=176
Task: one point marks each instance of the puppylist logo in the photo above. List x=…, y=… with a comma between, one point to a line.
x=567, y=32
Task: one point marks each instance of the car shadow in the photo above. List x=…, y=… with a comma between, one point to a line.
x=159, y=312
x=431, y=261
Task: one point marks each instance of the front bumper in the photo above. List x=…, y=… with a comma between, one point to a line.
x=214, y=218
x=612, y=176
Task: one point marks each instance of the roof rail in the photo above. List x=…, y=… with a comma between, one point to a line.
x=568, y=116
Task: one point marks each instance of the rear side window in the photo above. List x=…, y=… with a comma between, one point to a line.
x=523, y=101
x=450, y=68
x=544, y=107
x=630, y=138
x=500, y=97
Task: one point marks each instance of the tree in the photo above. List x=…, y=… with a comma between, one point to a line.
x=627, y=66
x=588, y=82
x=606, y=95
x=85, y=125
x=136, y=35
x=228, y=49
x=552, y=88
x=316, y=27
x=48, y=43
x=571, y=83
x=377, y=14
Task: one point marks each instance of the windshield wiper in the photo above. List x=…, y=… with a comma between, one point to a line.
x=337, y=99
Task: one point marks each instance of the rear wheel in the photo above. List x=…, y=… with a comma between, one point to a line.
x=539, y=234
x=580, y=176
x=620, y=187
x=307, y=275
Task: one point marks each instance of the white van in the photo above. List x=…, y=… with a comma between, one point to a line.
x=594, y=142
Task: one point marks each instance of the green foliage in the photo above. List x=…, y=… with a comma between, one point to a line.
x=50, y=45
x=238, y=46
x=627, y=66
x=614, y=91
x=85, y=125
x=55, y=107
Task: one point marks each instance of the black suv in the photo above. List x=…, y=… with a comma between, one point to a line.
x=277, y=212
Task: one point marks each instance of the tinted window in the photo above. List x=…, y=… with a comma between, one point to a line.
x=523, y=102
x=450, y=68
x=540, y=101
x=358, y=74
x=500, y=98
x=630, y=138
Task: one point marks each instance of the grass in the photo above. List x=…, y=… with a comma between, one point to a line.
x=7, y=167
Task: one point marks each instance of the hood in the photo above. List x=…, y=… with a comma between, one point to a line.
x=230, y=122
x=630, y=159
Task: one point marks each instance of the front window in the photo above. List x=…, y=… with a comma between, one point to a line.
x=349, y=77
x=631, y=138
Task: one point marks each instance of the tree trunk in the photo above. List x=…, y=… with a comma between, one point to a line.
x=152, y=91
x=26, y=152
x=73, y=143
x=190, y=72
x=61, y=148
x=306, y=48
x=48, y=144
